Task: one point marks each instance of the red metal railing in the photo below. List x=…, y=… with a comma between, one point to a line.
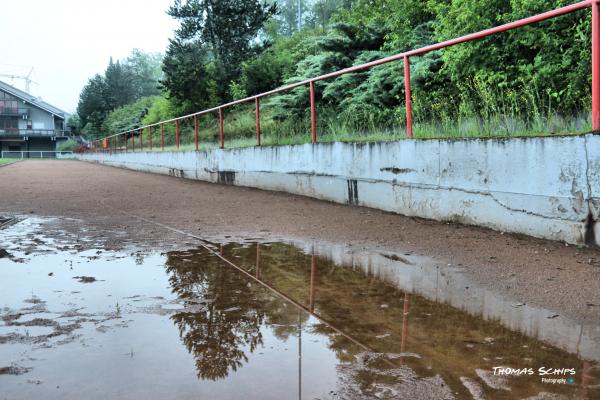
x=104, y=144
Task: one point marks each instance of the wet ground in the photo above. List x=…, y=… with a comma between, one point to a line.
x=269, y=320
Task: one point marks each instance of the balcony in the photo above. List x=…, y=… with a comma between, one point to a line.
x=13, y=112
x=22, y=133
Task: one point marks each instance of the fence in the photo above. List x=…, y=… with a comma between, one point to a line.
x=35, y=132
x=114, y=143
x=36, y=154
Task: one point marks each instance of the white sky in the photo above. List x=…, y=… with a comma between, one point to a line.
x=69, y=41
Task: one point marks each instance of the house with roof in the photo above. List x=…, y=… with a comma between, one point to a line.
x=29, y=124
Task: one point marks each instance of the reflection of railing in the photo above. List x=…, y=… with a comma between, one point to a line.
x=36, y=154
x=34, y=132
x=114, y=143
x=310, y=309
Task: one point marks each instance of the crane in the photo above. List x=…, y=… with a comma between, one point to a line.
x=26, y=78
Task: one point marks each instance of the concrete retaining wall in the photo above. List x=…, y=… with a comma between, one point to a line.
x=544, y=187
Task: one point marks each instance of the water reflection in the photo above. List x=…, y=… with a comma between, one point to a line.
x=387, y=342
x=223, y=313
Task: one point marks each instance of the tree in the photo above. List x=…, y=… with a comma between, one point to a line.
x=291, y=16
x=188, y=76
x=147, y=72
x=93, y=107
x=122, y=83
x=220, y=35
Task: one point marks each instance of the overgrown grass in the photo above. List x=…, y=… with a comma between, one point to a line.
x=479, y=115
x=68, y=145
x=5, y=161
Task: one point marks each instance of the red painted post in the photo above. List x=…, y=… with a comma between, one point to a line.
x=595, y=66
x=150, y=132
x=177, y=133
x=407, y=97
x=405, y=311
x=221, y=139
x=141, y=140
x=257, y=107
x=196, y=131
x=313, y=113
x=162, y=137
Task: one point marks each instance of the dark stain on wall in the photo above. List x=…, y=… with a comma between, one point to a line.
x=396, y=170
x=590, y=235
x=226, y=177
x=352, y=191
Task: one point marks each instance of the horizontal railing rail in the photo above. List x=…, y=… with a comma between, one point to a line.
x=34, y=132
x=34, y=154
x=115, y=142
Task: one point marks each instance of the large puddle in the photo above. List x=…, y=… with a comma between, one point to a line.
x=283, y=322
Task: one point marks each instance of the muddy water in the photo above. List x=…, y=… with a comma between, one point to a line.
x=285, y=322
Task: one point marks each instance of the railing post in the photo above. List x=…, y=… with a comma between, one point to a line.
x=221, y=139
x=126, y=144
x=196, y=131
x=141, y=140
x=177, y=133
x=595, y=66
x=405, y=311
x=409, y=132
x=150, y=133
x=133, y=141
x=162, y=137
x=257, y=107
x=313, y=113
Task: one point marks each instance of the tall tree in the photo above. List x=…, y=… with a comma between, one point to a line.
x=223, y=33
x=120, y=85
x=292, y=15
x=146, y=69
x=188, y=76
x=92, y=107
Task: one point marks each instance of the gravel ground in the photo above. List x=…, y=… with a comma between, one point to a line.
x=539, y=272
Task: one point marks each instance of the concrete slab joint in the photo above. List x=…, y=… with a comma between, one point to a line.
x=544, y=187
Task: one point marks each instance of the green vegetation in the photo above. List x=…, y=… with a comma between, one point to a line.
x=67, y=145
x=530, y=81
x=121, y=84
x=5, y=161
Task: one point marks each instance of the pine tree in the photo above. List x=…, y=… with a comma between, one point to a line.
x=222, y=33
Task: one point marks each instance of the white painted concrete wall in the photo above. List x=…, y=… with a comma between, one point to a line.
x=544, y=187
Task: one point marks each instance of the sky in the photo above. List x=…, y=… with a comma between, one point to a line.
x=69, y=41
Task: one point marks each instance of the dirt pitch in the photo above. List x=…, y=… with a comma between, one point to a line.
x=540, y=272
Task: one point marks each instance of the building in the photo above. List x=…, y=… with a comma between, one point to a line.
x=28, y=124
